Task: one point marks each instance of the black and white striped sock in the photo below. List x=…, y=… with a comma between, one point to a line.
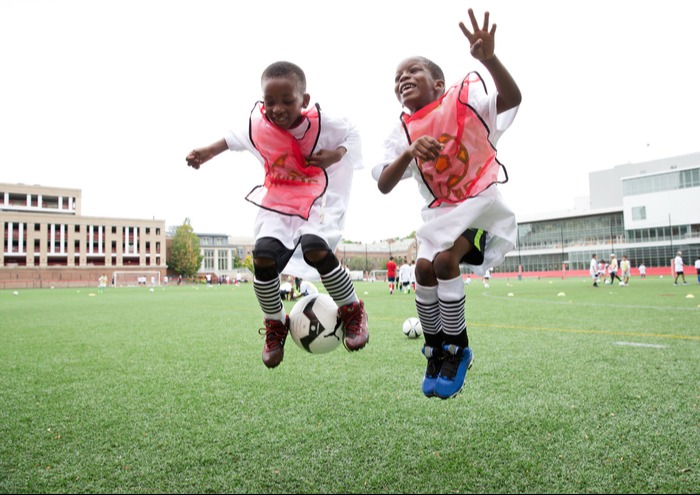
x=428, y=309
x=452, y=311
x=268, y=294
x=339, y=286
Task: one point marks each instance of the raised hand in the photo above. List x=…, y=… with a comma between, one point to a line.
x=481, y=40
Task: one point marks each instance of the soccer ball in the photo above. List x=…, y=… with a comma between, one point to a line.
x=315, y=325
x=412, y=328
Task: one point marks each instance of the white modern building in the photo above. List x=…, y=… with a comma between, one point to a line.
x=647, y=211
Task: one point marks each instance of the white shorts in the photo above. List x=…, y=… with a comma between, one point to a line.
x=488, y=211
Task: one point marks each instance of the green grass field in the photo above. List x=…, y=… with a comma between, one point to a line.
x=573, y=390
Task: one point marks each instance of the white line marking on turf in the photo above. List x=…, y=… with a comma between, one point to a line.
x=639, y=344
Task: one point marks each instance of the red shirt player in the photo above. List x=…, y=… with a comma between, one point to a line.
x=391, y=273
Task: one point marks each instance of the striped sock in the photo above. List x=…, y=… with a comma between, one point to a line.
x=268, y=294
x=428, y=309
x=452, y=300
x=339, y=286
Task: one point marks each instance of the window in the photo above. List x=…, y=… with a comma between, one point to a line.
x=661, y=182
x=639, y=213
x=223, y=260
x=208, y=259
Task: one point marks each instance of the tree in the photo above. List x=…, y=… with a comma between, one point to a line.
x=248, y=263
x=184, y=255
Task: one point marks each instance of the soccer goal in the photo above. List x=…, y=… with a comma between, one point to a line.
x=377, y=276
x=136, y=278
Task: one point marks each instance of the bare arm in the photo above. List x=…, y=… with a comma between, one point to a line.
x=425, y=148
x=200, y=155
x=326, y=158
x=482, y=47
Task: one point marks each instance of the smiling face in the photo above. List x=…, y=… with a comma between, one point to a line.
x=284, y=100
x=414, y=84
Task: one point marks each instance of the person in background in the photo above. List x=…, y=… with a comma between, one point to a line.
x=593, y=269
x=679, y=268
x=625, y=269
x=391, y=274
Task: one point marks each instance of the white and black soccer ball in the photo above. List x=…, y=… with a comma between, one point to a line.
x=315, y=325
x=412, y=328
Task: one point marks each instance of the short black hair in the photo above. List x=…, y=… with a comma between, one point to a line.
x=285, y=69
x=433, y=68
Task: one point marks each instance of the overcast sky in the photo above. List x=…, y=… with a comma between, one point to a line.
x=102, y=95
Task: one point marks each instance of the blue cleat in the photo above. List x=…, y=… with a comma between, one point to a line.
x=450, y=381
x=435, y=358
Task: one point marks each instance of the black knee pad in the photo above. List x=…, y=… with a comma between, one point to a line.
x=271, y=248
x=325, y=265
x=265, y=274
x=310, y=242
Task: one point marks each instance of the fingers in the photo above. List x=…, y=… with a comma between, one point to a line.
x=427, y=149
x=472, y=18
x=193, y=160
x=465, y=31
x=475, y=26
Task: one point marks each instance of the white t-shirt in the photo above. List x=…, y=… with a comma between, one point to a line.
x=678, y=262
x=405, y=273
x=307, y=288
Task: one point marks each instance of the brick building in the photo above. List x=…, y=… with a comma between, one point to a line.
x=47, y=242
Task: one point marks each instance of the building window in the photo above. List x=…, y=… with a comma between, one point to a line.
x=661, y=182
x=223, y=260
x=208, y=259
x=639, y=213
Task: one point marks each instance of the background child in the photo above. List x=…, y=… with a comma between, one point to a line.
x=612, y=269
x=625, y=269
x=308, y=174
x=448, y=144
x=391, y=273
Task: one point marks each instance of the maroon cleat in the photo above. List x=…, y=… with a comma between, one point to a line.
x=275, y=335
x=354, y=325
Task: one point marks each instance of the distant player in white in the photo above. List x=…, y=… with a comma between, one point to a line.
x=487, y=277
x=306, y=288
x=593, y=270
x=678, y=266
x=613, y=269
x=405, y=273
x=625, y=268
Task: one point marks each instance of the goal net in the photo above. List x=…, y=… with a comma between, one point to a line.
x=136, y=278
x=377, y=276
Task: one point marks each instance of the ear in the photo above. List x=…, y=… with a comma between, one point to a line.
x=439, y=85
x=305, y=101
